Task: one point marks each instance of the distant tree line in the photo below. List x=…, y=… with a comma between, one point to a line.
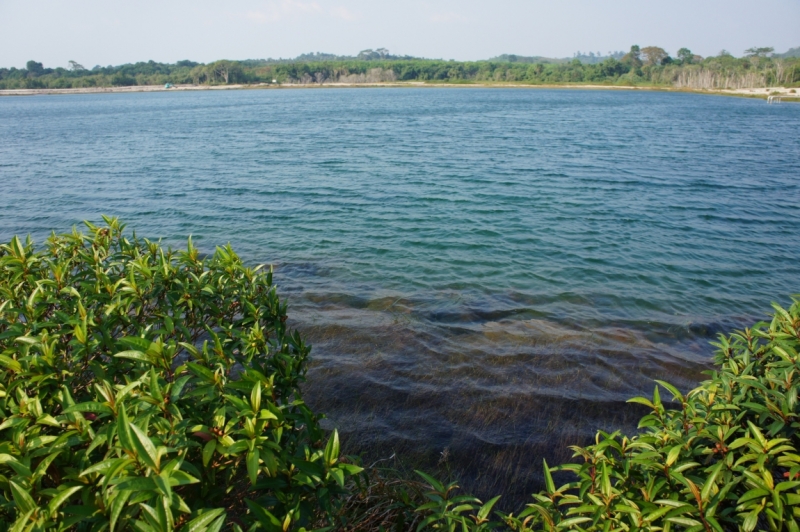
x=650, y=65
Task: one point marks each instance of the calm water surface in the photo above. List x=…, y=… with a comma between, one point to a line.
x=477, y=269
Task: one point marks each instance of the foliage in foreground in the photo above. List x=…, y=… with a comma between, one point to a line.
x=146, y=389
x=151, y=390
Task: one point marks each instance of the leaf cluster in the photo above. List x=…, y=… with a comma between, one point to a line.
x=153, y=390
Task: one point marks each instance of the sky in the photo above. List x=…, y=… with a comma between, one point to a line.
x=112, y=32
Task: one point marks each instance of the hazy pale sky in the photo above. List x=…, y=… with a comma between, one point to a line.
x=108, y=32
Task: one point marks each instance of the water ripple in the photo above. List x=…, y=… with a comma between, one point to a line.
x=471, y=265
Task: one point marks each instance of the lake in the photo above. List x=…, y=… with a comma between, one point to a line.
x=488, y=271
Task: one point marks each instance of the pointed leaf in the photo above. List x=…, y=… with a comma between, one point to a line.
x=21, y=496
x=332, y=449
x=145, y=449
x=61, y=498
x=198, y=524
x=136, y=355
x=208, y=451
x=548, y=479
x=252, y=466
x=117, y=506
x=255, y=397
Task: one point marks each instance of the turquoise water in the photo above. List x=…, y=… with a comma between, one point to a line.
x=470, y=264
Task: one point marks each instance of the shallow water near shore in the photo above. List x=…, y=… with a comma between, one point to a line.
x=492, y=271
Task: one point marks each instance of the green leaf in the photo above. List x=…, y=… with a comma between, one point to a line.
x=135, y=343
x=568, y=523
x=6, y=458
x=673, y=455
x=22, y=522
x=436, y=485
x=141, y=526
x=548, y=479
x=13, y=421
x=164, y=513
x=312, y=469
x=177, y=388
x=714, y=523
x=201, y=371
x=21, y=496
x=605, y=480
x=757, y=433
x=145, y=449
x=123, y=431
x=351, y=469
x=20, y=469
x=41, y=469
x=331, y=454
x=181, y=478
x=135, y=484
x=49, y=420
x=136, y=355
x=684, y=521
x=255, y=397
x=91, y=406
x=163, y=484
x=199, y=523
x=755, y=493
x=483, y=513
x=672, y=389
x=642, y=401
x=61, y=498
x=117, y=507
x=208, y=451
x=10, y=363
x=102, y=467
x=150, y=515
x=749, y=523
x=155, y=389
x=238, y=447
x=338, y=476
x=218, y=523
x=705, y=494
x=252, y=466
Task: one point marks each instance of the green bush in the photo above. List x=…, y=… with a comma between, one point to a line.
x=152, y=390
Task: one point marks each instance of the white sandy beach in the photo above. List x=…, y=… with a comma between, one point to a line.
x=752, y=92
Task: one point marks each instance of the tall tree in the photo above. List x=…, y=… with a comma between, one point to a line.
x=685, y=55
x=34, y=68
x=653, y=55
x=759, y=52
x=634, y=57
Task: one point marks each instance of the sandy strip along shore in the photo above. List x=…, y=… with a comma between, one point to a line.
x=788, y=93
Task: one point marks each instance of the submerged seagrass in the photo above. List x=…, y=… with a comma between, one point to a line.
x=723, y=456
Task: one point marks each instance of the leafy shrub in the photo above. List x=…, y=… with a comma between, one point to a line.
x=146, y=389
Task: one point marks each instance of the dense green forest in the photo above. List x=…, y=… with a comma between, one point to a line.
x=759, y=67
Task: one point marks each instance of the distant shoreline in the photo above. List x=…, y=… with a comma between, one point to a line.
x=762, y=93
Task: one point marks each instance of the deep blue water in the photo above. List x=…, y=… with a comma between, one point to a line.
x=448, y=250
